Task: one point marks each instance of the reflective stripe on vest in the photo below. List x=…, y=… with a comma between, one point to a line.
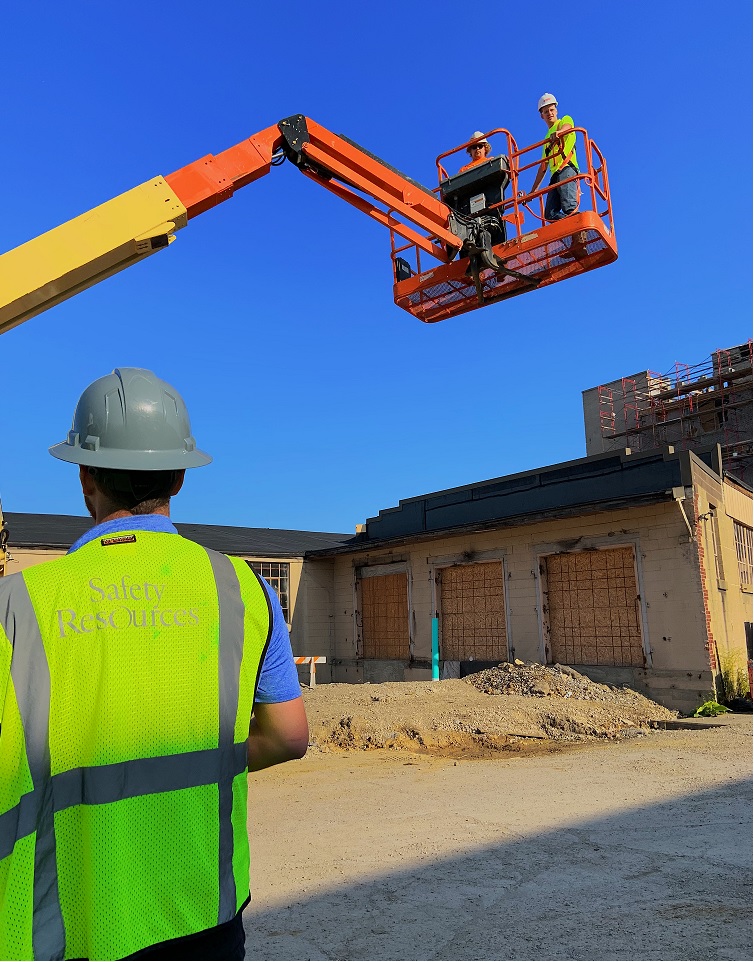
x=108, y=783
x=31, y=679
x=229, y=664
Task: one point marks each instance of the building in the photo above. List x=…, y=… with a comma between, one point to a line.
x=690, y=407
x=633, y=567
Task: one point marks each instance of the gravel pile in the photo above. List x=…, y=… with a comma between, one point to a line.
x=543, y=681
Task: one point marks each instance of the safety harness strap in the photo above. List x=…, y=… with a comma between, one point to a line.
x=553, y=149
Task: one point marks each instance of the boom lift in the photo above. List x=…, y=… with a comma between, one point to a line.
x=463, y=224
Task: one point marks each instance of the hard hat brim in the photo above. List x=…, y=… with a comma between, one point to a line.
x=120, y=460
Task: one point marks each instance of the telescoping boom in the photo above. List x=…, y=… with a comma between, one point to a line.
x=463, y=245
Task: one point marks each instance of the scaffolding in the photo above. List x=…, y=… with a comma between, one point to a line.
x=691, y=406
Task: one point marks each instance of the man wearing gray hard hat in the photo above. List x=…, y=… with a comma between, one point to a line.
x=130, y=670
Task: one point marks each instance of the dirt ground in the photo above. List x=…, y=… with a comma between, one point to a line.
x=509, y=708
x=439, y=821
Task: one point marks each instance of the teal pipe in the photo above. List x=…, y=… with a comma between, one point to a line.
x=435, y=649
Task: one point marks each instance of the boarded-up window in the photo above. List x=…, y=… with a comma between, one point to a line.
x=384, y=616
x=473, y=613
x=593, y=608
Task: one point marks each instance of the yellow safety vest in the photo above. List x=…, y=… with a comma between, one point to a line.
x=567, y=145
x=127, y=678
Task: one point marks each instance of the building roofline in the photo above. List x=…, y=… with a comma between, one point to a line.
x=587, y=485
x=362, y=543
x=58, y=532
x=738, y=482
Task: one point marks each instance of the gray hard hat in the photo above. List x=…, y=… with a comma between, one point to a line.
x=131, y=420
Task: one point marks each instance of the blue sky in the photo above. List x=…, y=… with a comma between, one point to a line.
x=321, y=401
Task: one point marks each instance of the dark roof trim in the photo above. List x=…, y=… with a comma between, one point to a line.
x=357, y=545
x=738, y=482
x=58, y=532
x=597, y=483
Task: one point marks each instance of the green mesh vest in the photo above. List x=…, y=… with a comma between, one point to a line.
x=127, y=679
x=565, y=153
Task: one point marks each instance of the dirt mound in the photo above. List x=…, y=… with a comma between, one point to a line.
x=540, y=681
x=509, y=708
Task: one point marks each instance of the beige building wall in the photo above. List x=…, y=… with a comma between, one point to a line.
x=312, y=621
x=671, y=604
x=691, y=604
x=728, y=597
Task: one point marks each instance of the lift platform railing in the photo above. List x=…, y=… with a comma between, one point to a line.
x=535, y=253
x=591, y=180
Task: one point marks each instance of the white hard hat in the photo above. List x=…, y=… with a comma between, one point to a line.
x=545, y=100
x=477, y=138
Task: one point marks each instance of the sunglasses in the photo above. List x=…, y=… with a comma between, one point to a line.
x=477, y=146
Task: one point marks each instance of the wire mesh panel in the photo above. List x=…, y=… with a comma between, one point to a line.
x=592, y=601
x=472, y=604
x=384, y=616
x=549, y=255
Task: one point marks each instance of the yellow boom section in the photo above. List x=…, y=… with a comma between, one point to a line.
x=55, y=266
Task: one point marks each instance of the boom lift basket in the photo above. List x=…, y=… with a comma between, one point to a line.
x=532, y=252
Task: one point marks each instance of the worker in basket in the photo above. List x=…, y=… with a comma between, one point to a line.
x=478, y=151
x=559, y=153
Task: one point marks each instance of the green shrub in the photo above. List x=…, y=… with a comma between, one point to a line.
x=735, y=675
x=709, y=709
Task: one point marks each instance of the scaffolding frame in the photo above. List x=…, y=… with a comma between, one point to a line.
x=688, y=407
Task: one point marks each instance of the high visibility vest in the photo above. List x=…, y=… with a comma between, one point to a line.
x=127, y=678
x=565, y=151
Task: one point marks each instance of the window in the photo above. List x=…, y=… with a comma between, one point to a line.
x=743, y=553
x=715, y=532
x=277, y=576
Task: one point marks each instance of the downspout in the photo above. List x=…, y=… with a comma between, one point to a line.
x=679, y=496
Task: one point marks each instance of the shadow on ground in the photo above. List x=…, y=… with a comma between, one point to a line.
x=668, y=881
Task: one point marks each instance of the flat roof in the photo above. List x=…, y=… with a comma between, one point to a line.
x=601, y=482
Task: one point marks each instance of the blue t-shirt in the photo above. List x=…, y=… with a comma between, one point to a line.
x=278, y=679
